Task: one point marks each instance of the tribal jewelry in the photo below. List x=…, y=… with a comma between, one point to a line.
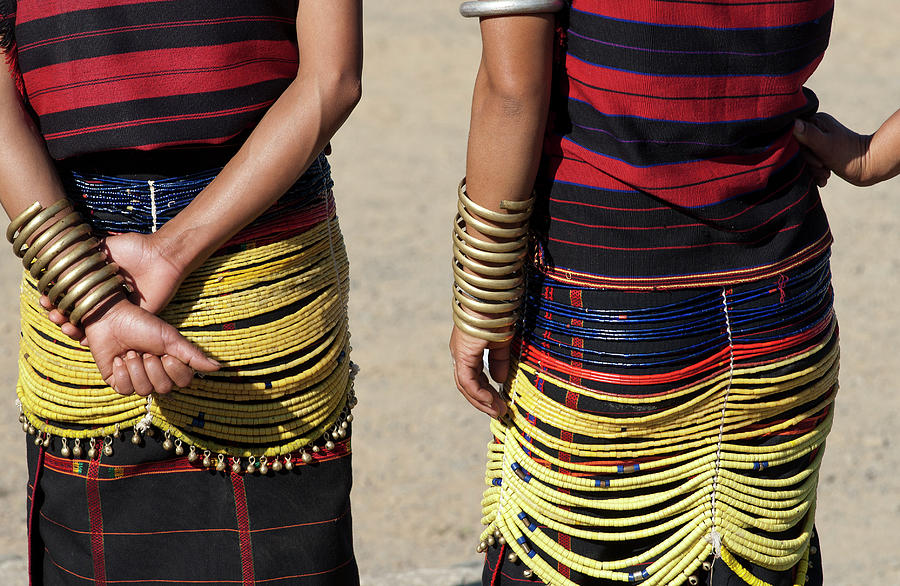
x=484, y=8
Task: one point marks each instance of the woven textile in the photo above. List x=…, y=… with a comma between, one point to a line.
x=669, y=159
x=647, y=428
x=135, y=74
x=144, y=517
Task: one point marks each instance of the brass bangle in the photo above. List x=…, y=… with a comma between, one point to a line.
x=84, y=286
x=489, y=8
x=487, y=295
x=484, y=322
x=488, y=229
x=81, y=268
x=518, y=205
x=485, y=256
x=489, y=214
x=21, y=220
x=491, y=284
x=66, y=261
x=487, y=245
x=94, y=298
x=482, y=333
x=48, y=235
x=484, y=270
x=28, y=230
x=482, y=306
x=46, y=257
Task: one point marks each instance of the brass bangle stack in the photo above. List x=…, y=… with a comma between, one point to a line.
x=489, y=276
x=66, y=259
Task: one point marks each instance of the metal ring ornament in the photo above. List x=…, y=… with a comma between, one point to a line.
x=520, y=211
x=482, y=306
x=77, y=270
x=64, y=257
x=484, y=295
x=46, y=257
x=49, y=234
x=32, y=224
x=511, y=246
x=484, y=8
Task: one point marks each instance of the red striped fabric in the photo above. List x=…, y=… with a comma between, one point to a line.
x=145, y=74
x=669, y=157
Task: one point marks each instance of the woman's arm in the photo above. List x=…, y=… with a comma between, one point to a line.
x=509, y=113
x=859, y=159
x=276, y=153
x=27, y=174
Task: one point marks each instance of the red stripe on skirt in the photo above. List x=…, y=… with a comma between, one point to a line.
x=37, y=479
x=95, y=512
x=243, y=521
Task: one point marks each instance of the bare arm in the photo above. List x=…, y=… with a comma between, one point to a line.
x=280, y=148
x=509, y=113
x=27, y=174
x=287, y=140
x=857, y=158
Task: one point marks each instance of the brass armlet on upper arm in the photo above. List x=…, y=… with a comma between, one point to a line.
x=482, y=8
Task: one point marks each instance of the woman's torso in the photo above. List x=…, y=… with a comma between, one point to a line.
x=131, y=74
x=669, y=160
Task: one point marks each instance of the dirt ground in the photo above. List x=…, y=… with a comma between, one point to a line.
x=419, y=447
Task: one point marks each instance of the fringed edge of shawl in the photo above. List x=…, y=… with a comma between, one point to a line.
x=8, y=42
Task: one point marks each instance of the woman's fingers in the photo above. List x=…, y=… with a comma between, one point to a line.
x=475, y=388
x=180, y=373
x=160, y=380
x=121, y=380
x=139, y=378
x=468, y=373
x=178, y=347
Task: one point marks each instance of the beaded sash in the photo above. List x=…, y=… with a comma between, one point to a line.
x=271, y=306
x=643, y=438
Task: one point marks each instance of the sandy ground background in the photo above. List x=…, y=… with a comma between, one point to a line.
x=418, y=445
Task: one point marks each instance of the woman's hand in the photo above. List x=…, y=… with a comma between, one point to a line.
x=831, y=146
x=467, y=353
x=137, y=352
x=859, y=159
x=152, y=277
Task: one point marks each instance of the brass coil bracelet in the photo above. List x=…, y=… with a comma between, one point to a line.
x=489, y=277
x=64, y=257
x=486, y=8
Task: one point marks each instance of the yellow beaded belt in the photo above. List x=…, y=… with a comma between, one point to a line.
x=686, y=475
x=274, y=315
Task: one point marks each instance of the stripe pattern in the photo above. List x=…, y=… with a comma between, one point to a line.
x=669, y=160
x=144, y=74
x=163, y=520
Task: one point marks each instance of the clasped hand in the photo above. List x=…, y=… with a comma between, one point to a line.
x=136, y=351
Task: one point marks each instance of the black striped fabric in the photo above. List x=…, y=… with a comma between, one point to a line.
x=137, y=74
x=142, y=516
x=669, y=160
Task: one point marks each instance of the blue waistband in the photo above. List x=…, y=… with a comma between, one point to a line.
x=121, y=204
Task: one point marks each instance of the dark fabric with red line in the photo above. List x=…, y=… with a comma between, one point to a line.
x=669, y=160
x=167, y=520
x=129, y=74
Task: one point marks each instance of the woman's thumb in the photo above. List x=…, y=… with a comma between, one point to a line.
x=183, y=350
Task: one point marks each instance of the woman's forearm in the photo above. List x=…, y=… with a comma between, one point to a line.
x=509, y=108
x=27, y=173
x=285, y=142
x=884, y=150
